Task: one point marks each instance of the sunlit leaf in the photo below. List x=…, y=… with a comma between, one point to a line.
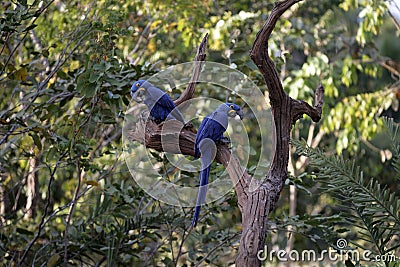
x=21, y=74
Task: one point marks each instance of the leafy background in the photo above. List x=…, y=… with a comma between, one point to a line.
x=66, y=196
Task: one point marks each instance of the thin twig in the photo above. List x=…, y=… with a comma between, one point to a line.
x=184, y=237
x=71, y=211
x=39, y=47
x=42, y=220
x=144, y=35
x=217, y=247
x=5, y=43
x=8, y=134
x=37, y=15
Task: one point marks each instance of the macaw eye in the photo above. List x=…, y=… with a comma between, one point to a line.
x=232, y=107
x=138, y=84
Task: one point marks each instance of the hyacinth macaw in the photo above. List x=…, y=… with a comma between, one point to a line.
x=211, y=130
x=157, y=101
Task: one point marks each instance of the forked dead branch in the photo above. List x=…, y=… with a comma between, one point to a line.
x=255, y=199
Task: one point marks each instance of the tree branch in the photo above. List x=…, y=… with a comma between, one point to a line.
x=37, y=15
x=149, y=134
x=163, y=138
x=285, y=110
x=259, y=54
x=199, y=62
x=42, y=220
x=300, y=107
x=255, y=199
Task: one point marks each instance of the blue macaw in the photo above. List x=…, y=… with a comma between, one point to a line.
x=211, y=129
x=157, y=101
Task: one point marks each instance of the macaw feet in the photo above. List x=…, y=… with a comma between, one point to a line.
x=144, y=116
x=158, y=121
x=188, y=125
x=224, y=140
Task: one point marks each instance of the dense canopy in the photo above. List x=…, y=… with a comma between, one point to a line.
x=66, y=69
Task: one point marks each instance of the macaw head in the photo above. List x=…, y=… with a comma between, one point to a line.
x=234, y=110
x=138, y=90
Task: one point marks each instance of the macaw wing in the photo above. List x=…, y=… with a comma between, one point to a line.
x=201, y=128
x=199, y=136
x=161, y=98
x=210, y=128
x=165, y=102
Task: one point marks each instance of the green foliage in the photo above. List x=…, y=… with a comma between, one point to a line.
x=370, y=18
x=370, y=207
x=318, y=229
x=356, y=117
x=65, y=72
x=393, y=132
x=329, y=53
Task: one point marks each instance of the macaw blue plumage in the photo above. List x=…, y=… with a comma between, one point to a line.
x=157, y=101
x=211, y=129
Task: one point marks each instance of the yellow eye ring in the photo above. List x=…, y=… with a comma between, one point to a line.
x=231, y=106
x=138, y=84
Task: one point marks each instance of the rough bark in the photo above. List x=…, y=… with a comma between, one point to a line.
x=32, y=188
x=150, y=134
x=199, y=62
x=3, y=197
x=286, y=111
x=255, y=199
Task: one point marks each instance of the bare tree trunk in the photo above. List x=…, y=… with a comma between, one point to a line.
x=32, y=188
x=3, y=201
x=255, y=199
x=263, y=199
x=286, y=111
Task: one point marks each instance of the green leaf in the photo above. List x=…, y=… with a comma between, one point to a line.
x=94, y=76
x=84, y=87
x=45, y=53
x=36, y=140
x=53, y=260
x=21, y=74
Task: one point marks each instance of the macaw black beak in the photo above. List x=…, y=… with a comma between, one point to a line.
x=138, y=95
x=240, y=114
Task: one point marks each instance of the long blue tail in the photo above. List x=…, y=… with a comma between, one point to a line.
x=201, y=196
